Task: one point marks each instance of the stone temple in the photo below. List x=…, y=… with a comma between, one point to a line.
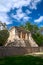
x=19, y=37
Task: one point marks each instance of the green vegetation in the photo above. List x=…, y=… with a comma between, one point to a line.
x=35, y=31
x=4, y=34
x=30, y=27
x=38, y=38
x=21, y=60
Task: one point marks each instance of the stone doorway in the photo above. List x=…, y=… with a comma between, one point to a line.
x=23, y=35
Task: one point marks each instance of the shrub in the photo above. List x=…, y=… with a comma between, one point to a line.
x=38, y=38
x=4, y=34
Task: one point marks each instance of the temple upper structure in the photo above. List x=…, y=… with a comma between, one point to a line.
x=20, y=37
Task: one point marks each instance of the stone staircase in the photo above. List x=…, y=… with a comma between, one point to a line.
x=23, y=43
x=19, y=43
x=27, y=43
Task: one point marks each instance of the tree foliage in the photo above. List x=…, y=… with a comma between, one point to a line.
x=38, y=38
x=4, y=34
x=28, y=26
x=35, y=32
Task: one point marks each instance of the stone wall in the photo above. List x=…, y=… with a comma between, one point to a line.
x=9, y=51
x=41, y=49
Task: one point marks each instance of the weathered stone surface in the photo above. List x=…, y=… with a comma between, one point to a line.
x=20, y=37
x=19, y=43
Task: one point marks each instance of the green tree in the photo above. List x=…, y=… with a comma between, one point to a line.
x=28, y=26
x=4, y=34
x=35, y=31
x=22, y=26
x=35, y=28
x=38, y=38
x=41, y=30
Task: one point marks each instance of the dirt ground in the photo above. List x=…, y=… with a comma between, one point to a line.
x=40, y=54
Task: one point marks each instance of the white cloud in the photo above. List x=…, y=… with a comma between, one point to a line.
x=20, y=15
x=6, y=5
x=40, y=19
x=21, y=3
x=28, y=12
x=26, y=18
x=4, y=18
x=34, y=4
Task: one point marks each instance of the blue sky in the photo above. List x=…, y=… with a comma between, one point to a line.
x=17, y=12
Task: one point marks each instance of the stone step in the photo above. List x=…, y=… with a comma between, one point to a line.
x=18, y=43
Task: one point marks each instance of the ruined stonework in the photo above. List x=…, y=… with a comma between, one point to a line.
x=20, y=38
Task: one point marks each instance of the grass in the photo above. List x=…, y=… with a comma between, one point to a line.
x=21, y=60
